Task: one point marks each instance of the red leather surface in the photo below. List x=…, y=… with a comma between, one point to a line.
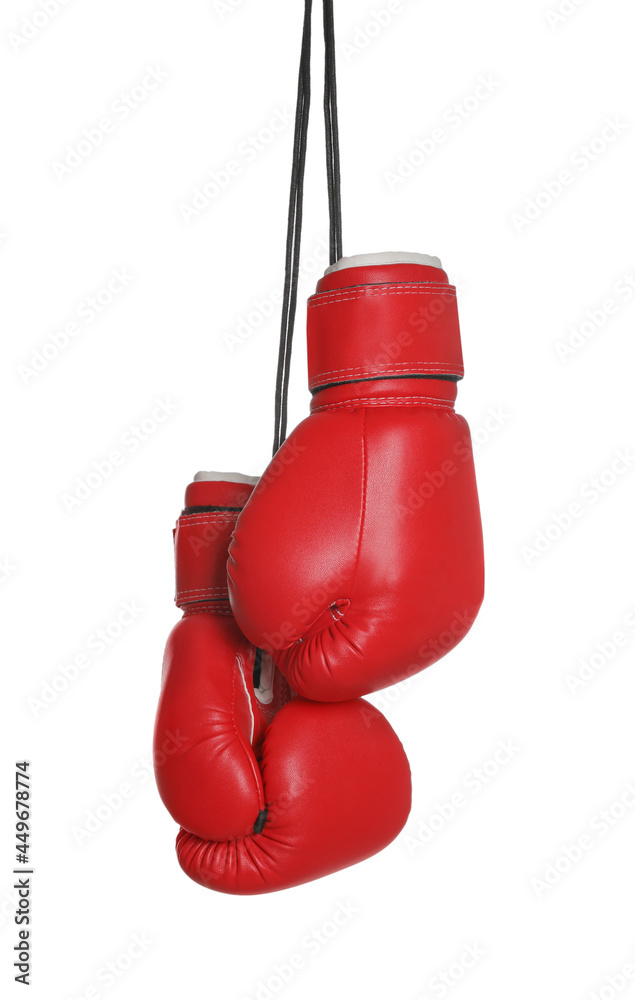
x=222, y=756
x=358, y=559
x=337, y=784
x=235, y=495
x=211, y=783
x=201, y=540
x=396, y=329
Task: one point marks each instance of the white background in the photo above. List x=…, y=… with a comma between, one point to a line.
x=547, y=423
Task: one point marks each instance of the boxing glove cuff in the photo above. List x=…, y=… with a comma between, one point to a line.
x=391, y=318
x=202, y=535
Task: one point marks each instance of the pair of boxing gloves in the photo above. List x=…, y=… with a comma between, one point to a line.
x=355, y=561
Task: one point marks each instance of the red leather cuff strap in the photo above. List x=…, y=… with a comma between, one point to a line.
x=200, y=552
x=201, y=540
x=395, y=330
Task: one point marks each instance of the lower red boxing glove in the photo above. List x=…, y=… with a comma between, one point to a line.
x=270, y=790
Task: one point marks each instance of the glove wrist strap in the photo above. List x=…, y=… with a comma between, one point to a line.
x=201, y=539
x=370, y=330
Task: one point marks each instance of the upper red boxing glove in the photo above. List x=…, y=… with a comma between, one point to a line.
x=358, y=559
x=270, y=790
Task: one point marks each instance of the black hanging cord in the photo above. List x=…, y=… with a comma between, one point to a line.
x=294, y=224
x=332, y=135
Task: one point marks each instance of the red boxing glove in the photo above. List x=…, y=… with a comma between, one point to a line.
x=270, y=790
x=358, y=560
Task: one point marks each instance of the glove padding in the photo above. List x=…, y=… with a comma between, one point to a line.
x=358, y=560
